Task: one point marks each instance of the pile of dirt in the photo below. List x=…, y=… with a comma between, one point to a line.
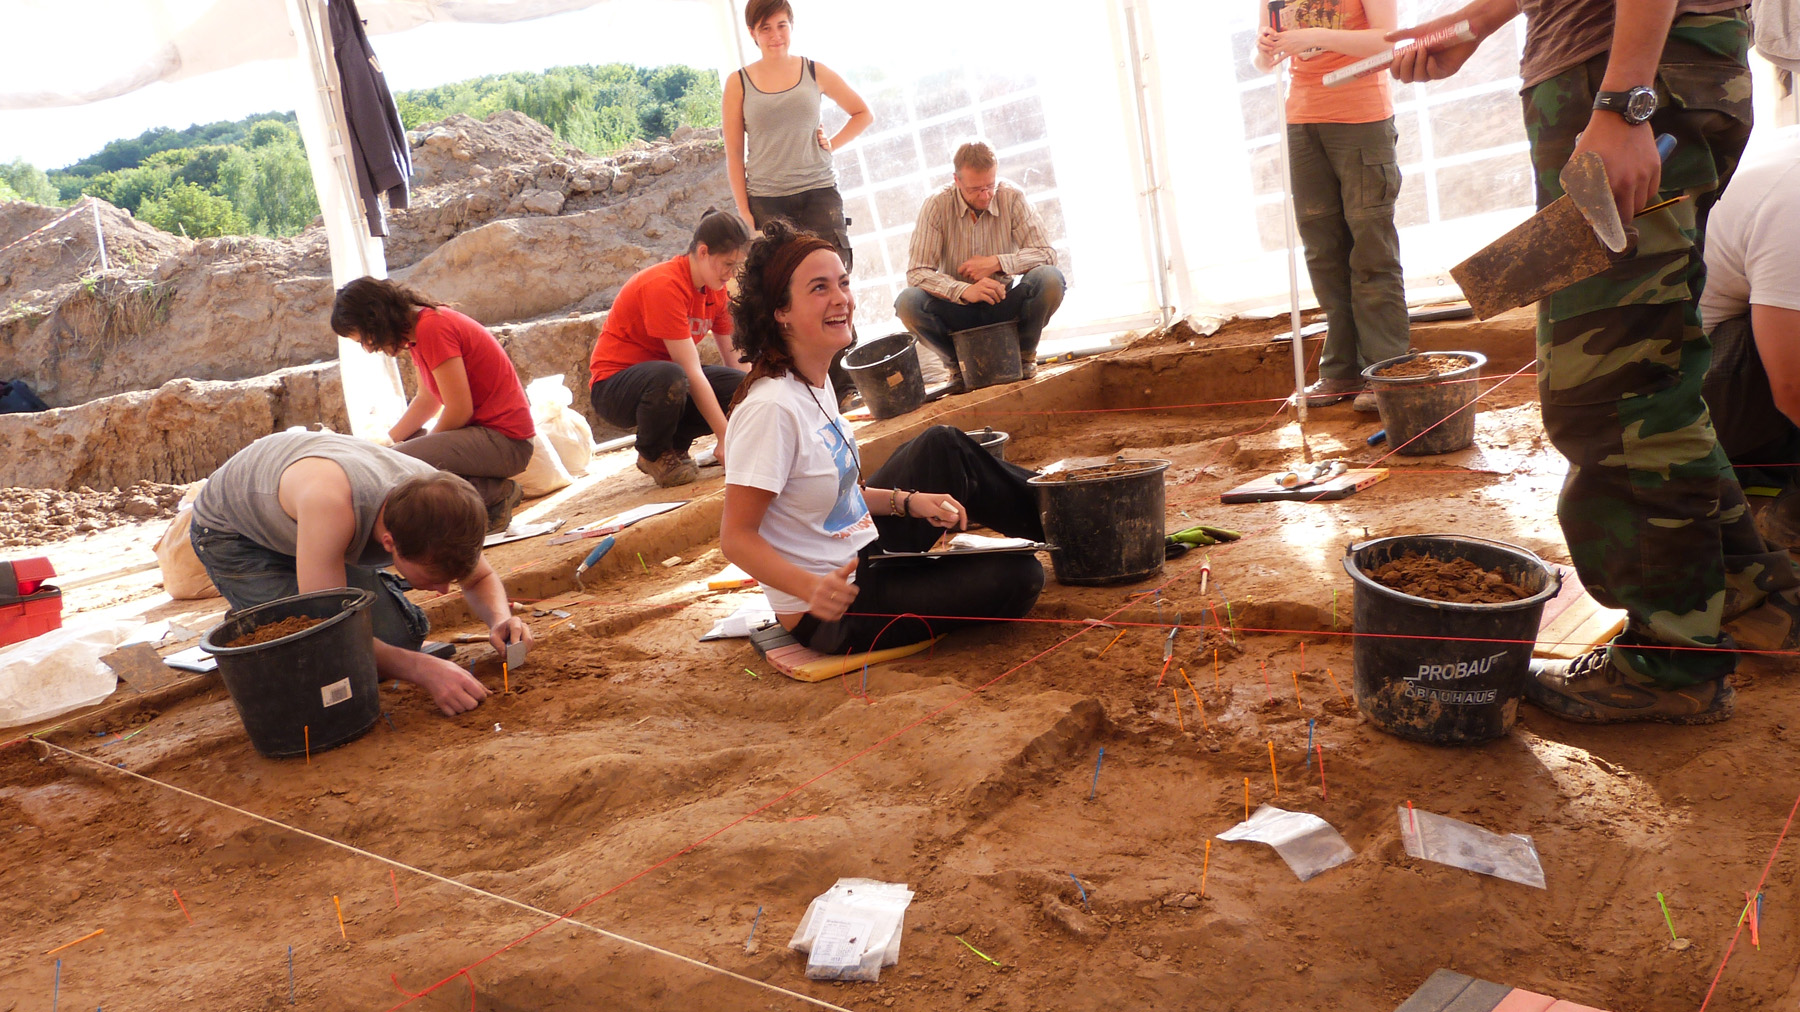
x=1457, y=580
x=1116, y=469
x=275, y=630
x=1425, y=365
x=68, y=251
x=36, y=516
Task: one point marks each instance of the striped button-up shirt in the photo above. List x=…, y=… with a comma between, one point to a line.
x=949, y=232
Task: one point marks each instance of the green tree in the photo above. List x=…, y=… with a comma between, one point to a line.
x=27, y=182
x=193, y=211
x=284, y=199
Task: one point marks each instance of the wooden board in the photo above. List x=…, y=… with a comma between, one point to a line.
x=1268, y=488
x=1574, y=622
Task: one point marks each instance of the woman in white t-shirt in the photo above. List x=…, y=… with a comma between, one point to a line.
x=797, y=516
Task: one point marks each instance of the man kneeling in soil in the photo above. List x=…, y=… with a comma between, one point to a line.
x=303, y=511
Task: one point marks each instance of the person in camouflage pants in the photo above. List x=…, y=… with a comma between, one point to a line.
x=1654, y=517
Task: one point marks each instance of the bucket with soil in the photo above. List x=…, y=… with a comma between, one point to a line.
x=1104, y=523
x=989, y=355
x=991, y=441
x=1427, y=401
x=300, y=670
x=886, y=373
x=1445, y=624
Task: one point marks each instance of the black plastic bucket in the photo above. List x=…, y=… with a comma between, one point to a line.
x=1104, y=523
x=318, y=685
x=886, y=373
x=1441, y=671
x=992, y=441
x=989, y=355
x=1411, y=405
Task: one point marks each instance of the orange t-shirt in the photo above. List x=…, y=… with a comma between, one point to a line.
x=657, y=304
x=1364, y=100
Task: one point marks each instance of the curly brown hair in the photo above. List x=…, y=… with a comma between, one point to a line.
x=379, y=312
x=762, y=292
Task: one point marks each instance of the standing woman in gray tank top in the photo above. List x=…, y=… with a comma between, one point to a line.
x=773, y=104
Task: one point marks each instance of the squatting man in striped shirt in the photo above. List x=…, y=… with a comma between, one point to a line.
x=978, y=257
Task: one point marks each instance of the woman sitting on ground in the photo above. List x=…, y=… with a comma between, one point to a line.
x=646, y=365
x=466, y=381
x=798, y=519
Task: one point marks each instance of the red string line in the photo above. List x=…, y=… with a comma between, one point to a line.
x=1759, y=885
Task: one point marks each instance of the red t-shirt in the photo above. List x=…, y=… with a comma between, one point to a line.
x=658, y=304
x=499, y=401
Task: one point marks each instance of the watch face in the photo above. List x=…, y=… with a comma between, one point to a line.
x=1639, y=104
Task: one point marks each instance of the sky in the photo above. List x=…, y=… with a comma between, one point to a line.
x=640, y=32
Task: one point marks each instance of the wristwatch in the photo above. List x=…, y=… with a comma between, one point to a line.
x=1634, y=107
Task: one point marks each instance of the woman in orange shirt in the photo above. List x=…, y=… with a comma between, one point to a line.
x=1345, y=178
x=646, y=371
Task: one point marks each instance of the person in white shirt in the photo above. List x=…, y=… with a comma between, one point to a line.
x=1750, y=309
x=797, y=516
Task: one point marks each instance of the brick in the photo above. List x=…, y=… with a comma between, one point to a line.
x=1521, y=1000
x=1569, y=1006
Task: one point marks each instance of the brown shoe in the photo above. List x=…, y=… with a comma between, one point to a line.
x=1332, y=391
x=670, y=469
x=500, y=514
x=1591, y=690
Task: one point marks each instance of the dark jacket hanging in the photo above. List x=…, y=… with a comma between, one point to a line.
x=377, y=140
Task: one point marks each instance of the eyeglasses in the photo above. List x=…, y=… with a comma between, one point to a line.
x=990, y=188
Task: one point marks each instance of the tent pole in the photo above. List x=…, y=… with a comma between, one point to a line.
x=1152, y=182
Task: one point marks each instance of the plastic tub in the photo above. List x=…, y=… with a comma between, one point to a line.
x=1424, y=415
x=1104, y=523
x=994, y=442
x=318, y=685
x=989, y=355
x=1444, y=672
x=886, y=373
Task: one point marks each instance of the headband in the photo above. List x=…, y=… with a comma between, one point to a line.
x=785, y=261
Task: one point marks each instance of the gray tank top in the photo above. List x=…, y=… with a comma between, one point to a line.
x=243, y=495
x=783, y=131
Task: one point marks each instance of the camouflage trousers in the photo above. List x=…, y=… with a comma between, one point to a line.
x=1654, y=517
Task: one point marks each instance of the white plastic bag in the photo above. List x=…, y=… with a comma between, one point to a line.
x=555, y=418
x=546, y=473
x=1306, y=842
x=59, y=671
x=853, y=929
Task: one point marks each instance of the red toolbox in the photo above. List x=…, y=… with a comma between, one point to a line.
x=28, y=606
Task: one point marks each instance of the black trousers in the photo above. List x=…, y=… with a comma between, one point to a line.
x=956, y=591
x=1755, y=435
x=821, y=212
x=653, y=397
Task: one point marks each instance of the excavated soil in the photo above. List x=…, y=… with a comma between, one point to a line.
x=1458, y=580
x=666, y=790
x=275, y=630
x=40, y=516
x=1425, y=365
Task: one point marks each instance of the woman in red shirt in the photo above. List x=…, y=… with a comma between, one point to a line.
x=646, y=365
x=466, y=381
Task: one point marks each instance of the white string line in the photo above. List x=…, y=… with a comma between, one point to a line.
x=452, y=882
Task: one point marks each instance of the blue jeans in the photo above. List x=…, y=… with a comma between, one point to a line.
x=1031, y=302
x=247, y=574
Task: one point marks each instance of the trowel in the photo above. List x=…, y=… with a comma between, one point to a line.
x=1576, y=237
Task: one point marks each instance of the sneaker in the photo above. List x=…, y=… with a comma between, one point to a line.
x=955, y=386
x=670, y=469
x=1365, y=402
x=1332, y=391
x=1591, y=690
x=499, y=515
x=1028, y=367
x=1773, y=625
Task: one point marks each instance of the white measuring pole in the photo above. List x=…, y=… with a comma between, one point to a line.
x=99, y=236
x=1287, y=224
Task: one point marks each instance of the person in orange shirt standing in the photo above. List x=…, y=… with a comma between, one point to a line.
x=1345, y=178
x=646, y=369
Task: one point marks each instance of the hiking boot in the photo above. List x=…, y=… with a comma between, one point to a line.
x=1365, y=402
x=499, y=515
x=1591, y=690
x=1773, y=625
x=670, y=469
x=1778, y=520
x=1331, y=391
x=1028, y=367
x=955, y=386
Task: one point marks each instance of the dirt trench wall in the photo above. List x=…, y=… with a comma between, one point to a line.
x=177, y=433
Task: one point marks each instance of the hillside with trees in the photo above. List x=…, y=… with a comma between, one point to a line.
x=251, y=177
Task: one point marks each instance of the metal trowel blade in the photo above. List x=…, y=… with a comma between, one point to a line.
x=1584, y=180
x=515, y=654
